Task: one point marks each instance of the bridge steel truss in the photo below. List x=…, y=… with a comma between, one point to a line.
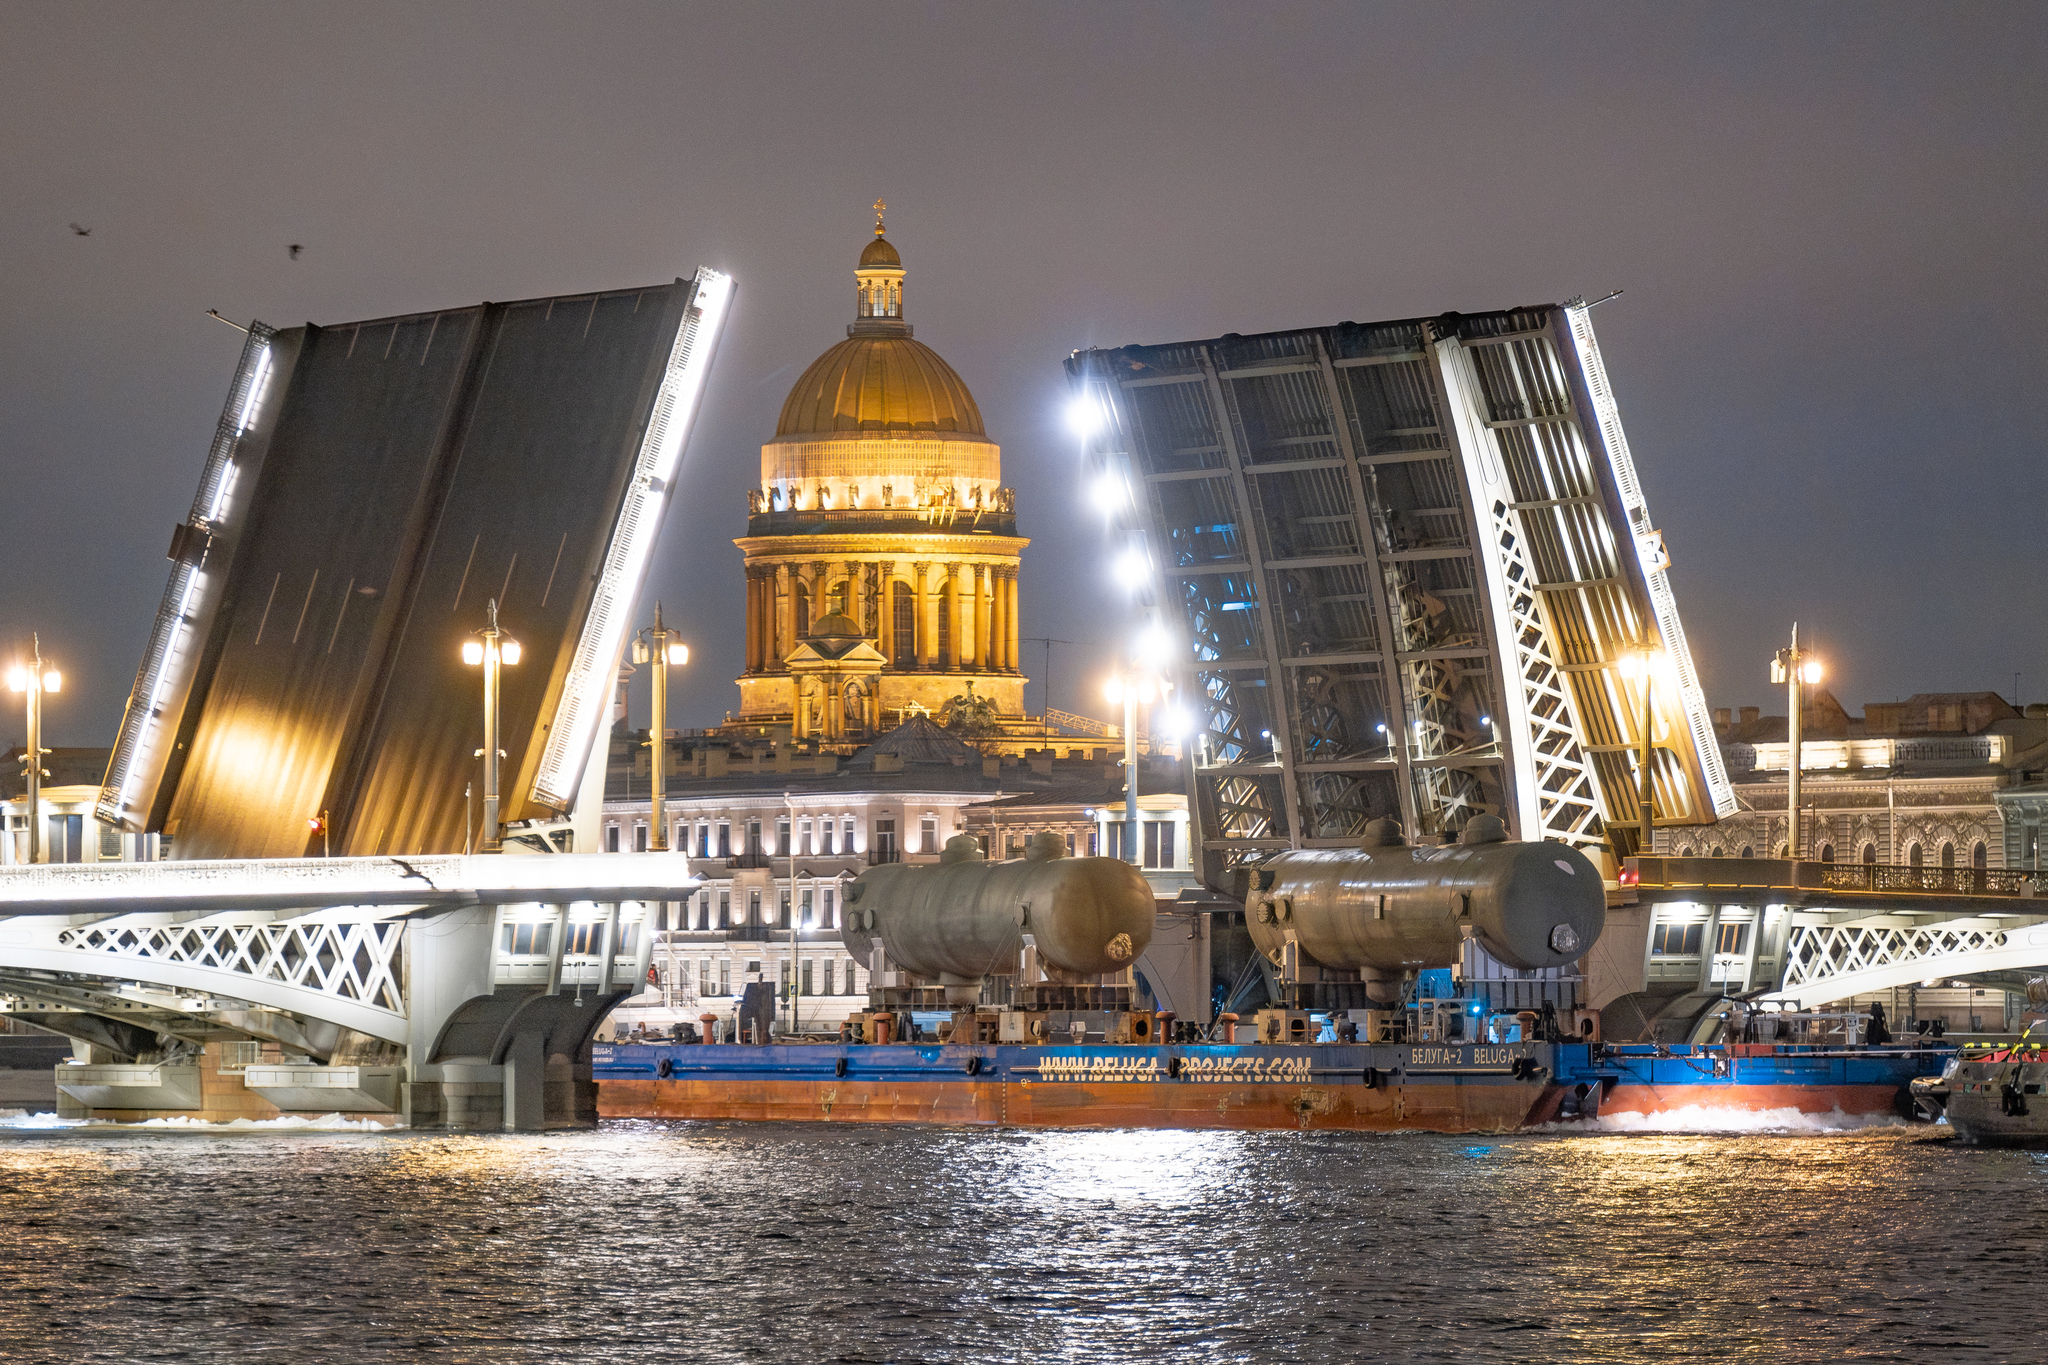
x=1404, y=562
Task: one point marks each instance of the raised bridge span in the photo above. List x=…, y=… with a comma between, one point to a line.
x=457, y=991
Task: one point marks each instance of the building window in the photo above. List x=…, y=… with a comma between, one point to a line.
x=703, y=841
x=754, y=906
x=611, y=838
x=639, y=838
x=1717, y=850
x=831, y=920
x=753, y=838
x=1980, y=856
x=905, y=640
x=1159, y=843
x=782, y=837
x=724, y=839
x=803, y=838
x=526, y=940
x=803, y=610
x=944, y=652
x=846, y=835
x=704, y=911
x=725, y=909
x=928, y=834
x=807, y=978
x=707, y=984
x=885, y=839
x=1677, y=940
x=1913, y=855
x=782, y=909
x=825, y=836
x=1948, y=855
x=829, y=965
x=1730, y=939
x=725, y=977
x=110, y=844
x=1827, y=853
x=808, y=908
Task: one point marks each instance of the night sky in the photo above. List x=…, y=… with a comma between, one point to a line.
x=1828, y=220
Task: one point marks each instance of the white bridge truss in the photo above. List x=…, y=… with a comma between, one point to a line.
x=1833, y=961
x=329, y=941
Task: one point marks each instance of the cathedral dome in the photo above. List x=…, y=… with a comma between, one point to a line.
x=887, y=385
x=879, y=381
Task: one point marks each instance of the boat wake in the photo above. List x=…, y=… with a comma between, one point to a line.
x=1705, y=1119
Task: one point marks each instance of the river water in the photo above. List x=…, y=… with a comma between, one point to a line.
x=709, y=1242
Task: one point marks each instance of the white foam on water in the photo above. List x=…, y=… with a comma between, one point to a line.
x=1704, y=1118
x=326, y=1123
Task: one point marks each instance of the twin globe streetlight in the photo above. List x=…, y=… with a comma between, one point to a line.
x=492, y=649
x=33, y=679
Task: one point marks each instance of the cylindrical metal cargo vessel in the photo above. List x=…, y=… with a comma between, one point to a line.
x=965, y=918
x=1393, y=907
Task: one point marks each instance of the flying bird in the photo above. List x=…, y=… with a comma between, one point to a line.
x=295, y=249
x=81, y=231
x=414, y=874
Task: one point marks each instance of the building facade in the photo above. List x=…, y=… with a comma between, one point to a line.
x=881, y=551
x=1913, y=783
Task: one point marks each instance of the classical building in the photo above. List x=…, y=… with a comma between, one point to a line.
x=881, y=548
x=1914, y=783
x=72, y=830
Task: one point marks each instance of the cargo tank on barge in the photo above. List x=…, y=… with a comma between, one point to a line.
x=1363, y=1027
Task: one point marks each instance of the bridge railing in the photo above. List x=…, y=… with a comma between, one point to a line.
x=1800, y=875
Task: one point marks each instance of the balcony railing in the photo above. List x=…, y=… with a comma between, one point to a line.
x=1812, y=876
x=884, y=855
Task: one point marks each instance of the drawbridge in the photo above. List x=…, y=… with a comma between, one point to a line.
x=302, y=732
x=1406, y=564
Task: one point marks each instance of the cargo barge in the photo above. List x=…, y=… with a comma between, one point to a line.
x=1447, y=1088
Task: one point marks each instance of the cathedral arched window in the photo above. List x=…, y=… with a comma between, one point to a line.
x=1827, y=853
x=803, y=609
x=1980, y=856
x=1948, y=855
x=1717, y=851
x=1748, y=851
x=1914, y=857
x=1869, y=854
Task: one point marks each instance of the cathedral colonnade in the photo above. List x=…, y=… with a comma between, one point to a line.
x=946, y=615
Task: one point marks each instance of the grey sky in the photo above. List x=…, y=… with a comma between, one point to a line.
x=1828, y=219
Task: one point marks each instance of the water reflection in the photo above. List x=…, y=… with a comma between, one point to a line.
x=803, y=1243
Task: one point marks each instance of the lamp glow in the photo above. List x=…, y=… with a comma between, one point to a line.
x=509, y=651
x=472, y=652
x=1108, y=494
x=1113, y=690
x=1084, y=417
x=679, y=654
x=17, y=679
x=1131, y=568
x=53, y=681
x=1810, y=671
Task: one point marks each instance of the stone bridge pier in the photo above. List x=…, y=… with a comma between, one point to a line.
x=447, y=993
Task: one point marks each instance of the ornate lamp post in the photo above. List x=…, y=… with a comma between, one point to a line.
x=1793, y=667
x=1135, y=685
x=659, y=646
x=1642, y=663
x=492, y=649
x=33, y=679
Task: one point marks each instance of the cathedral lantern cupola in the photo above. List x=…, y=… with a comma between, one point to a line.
x=880, y=288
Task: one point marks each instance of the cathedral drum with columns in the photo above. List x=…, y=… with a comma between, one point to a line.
x=881, y=547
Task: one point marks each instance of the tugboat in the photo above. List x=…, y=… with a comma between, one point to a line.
x=1995, y=1096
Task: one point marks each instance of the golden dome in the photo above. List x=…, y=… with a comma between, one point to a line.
x=881, y=384
x=880, y=256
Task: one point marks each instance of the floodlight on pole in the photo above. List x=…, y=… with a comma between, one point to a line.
x=32, y=680
x=492, y=649
x=1137, y=684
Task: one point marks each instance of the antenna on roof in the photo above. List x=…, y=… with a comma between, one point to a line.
x=1615, y=294
x=214, y=313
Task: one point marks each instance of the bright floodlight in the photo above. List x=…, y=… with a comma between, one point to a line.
x=17, y=679
x=1114, y=691
x=1147, y=690
x=472, y=652
x=1178, y=722
x=509, y=651
x=1153, y=647
x=679, y=654
x=53, y=681
x=1810, y=671
x=1084, y=416
x=1130, y=568
x=1108, y=495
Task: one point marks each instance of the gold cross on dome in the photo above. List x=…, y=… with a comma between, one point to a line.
x=879, y=207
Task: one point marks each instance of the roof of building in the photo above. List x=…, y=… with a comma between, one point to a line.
x=919, y=741
x=78, y=767
x=885, y=385
x=879, y=255
x=1156, y=778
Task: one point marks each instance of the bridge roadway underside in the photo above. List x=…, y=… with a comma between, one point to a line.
x=1806, y=947
x=354, y=974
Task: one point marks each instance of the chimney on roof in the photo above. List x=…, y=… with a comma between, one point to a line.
x=1721, y=721
x=1750, y=714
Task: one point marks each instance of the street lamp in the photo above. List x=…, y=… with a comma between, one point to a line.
x=659, y=646
x=1793, y=667
x=492, y=649
x=1642, y=663
x=1135, y=685
x=33, y=679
